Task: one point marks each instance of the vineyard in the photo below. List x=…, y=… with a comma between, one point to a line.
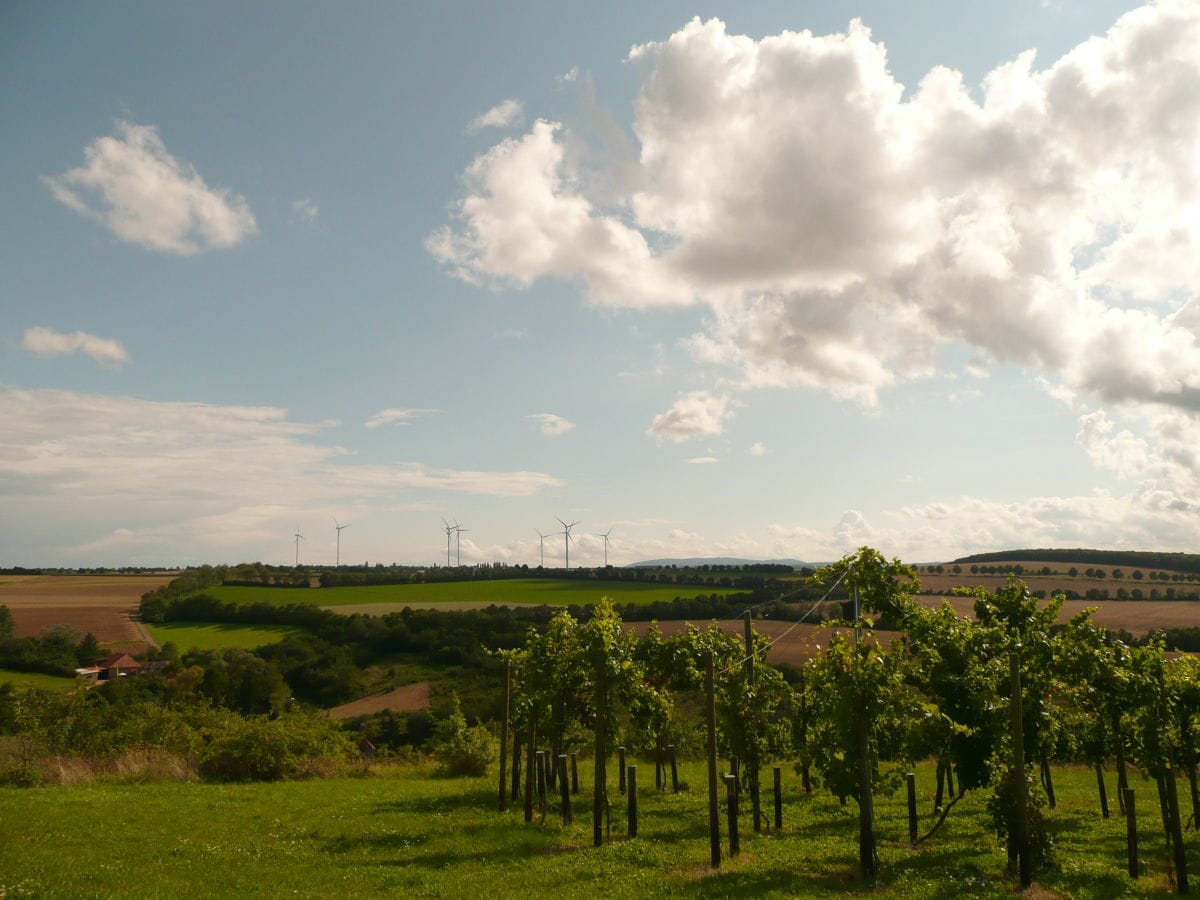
x=998, y=700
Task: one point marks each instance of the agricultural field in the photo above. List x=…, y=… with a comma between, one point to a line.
x=1058, y=580
x=36, y=680
x=216, y=636
x=379, y=599
x=410, y=834
x=101, y=604
x=403, y=699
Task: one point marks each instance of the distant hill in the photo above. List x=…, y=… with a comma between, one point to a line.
x=1148, y=559
x=696, y=562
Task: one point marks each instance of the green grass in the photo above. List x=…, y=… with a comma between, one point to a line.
x=414, y=835
x=192, y=636
x=36, y=680
x=560, y=592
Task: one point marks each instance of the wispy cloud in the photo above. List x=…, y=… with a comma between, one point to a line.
x=47, y=342
x=501, y=115
x=306, y=212
x=397, y=416
x=511, y=334
x=701, y=460
x=145, y=196
x=550, y=424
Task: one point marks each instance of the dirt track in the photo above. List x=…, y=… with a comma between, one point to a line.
x=406, y=698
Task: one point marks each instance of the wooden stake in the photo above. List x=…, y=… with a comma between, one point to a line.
x=714, y=815
x=910, y=780
x=731, y=800
x=504, y=733
x=564, y=789
x=1131, y=831
x=778, y=785
x=632, y=798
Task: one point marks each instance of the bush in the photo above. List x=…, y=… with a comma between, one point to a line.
x=262, y=749
x=461, y=749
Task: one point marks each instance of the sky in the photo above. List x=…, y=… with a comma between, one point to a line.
x=768, y=280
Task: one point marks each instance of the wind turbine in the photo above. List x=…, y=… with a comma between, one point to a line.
x=566, y=533
x=449, y=530
x=299, y=537
x=542, y=547
x=605, y=536
x=339, y=528
x=458, y=530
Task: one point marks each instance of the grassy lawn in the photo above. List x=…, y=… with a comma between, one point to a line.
x=211, y=636
x=413, y=835
x=560, y=592
x=36, y=680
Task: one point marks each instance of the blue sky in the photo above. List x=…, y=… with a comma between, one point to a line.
x=731, y=279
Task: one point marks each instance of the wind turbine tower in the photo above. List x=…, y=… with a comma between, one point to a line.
x=605, y=536
x=299, y=537
x=339, y=527
x=566, y=533
x=542, y=548
x=449, y=531
x=458, y=530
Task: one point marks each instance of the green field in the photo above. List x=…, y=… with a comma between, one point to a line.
x=554, y=592
x=189, y=636
x=414, y=835
x=36, y=680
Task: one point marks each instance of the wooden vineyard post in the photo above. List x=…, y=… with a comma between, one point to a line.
x=1177, y=848
x=551, y=771
x=731, y=802
x=658, y=762
x=910, y=780
x=674, y=769
x=1122, y=779
x=515, y=793
x=631, y=781
x=621, y=770
x=868, y=859
x=1048, y=782
x=941, y=781
x=504, y=733
x=778, y=785
x=1102, y=789
x=1131, y=831
x=541, y=780
x=530, y=767
x=574, y=775
x=1020, y=790
x=752, y=765
x=600, y=763
x=564, y=789
x=714, y=815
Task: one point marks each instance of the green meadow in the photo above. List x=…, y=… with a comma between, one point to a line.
x=36, y=680
x=402, y=832
x=552, y=592
x=215, y=636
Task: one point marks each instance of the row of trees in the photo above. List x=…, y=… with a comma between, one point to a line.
x=993, y=698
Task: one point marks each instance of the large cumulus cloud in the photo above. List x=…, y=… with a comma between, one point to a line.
x=840, y=229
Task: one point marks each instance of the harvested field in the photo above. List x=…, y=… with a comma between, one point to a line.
x=406, y=698
x=794, y=643
x=101, y=604
x=1135, y=616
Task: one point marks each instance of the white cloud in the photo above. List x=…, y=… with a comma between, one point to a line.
x=550, y=424
x=145, y=196
x=701, y=460
x=511, y=334
x=196, y=478
x=396, y=416
x=502, y=115
x=694, y=414
x=48, y=342
x=306, y=212
x=758, y=448
x=840, y=231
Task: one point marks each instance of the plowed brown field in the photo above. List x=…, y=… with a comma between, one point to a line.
x=406, y=698
x=101, y=604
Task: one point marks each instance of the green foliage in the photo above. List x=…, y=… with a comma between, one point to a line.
x=268, y=749
x=461, y=749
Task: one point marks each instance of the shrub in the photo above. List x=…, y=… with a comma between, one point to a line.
x=461, y=749
x=263, y=749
